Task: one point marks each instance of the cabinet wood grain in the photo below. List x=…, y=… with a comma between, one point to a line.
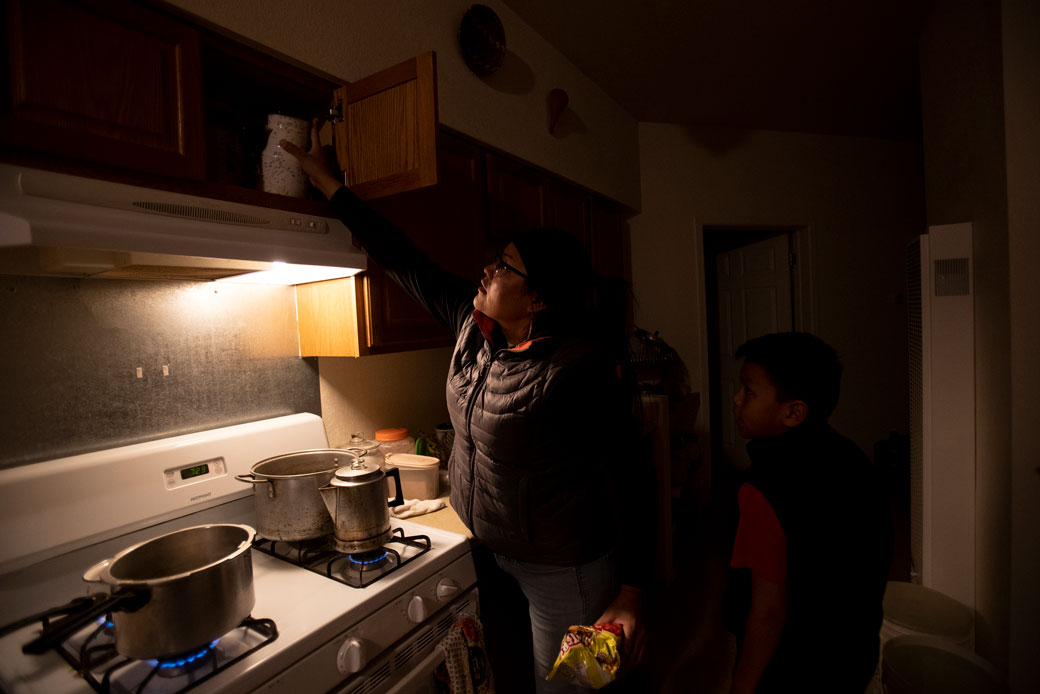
x=106, y=82
x=327, y=318
x=386, y=139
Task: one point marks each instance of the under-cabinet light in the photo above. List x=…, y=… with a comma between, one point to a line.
x=288, y=273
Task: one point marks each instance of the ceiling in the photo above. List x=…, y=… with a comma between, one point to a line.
x=839, y=67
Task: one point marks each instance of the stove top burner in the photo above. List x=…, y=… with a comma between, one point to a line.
x=356, y=570
x=369, y=560
x=92, y=652
x=174, y=666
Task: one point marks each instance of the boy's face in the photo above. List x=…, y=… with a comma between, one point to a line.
x=758, y=412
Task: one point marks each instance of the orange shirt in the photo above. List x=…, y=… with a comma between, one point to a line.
x=760, y=544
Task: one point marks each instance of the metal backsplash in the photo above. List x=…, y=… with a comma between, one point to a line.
x=88, y=364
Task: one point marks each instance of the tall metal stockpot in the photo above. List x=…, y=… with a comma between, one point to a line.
x=285, y=493
x=170, y=595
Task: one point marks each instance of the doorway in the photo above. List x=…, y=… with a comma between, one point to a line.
x=752, y=281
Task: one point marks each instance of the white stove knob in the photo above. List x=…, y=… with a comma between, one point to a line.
x=417, y=611
x=351, y=657
x=447, y=589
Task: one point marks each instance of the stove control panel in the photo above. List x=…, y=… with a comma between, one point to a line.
x=194, y=473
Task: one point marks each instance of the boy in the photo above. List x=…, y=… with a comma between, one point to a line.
x=813, y=545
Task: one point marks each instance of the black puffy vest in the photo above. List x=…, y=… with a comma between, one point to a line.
x=829, y=502
x=535, y=460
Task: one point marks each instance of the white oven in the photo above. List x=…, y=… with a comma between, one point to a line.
x=311, y=630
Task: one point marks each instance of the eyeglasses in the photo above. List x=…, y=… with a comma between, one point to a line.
x=501, y=266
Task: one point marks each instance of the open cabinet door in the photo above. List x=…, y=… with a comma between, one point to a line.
x=386, y=139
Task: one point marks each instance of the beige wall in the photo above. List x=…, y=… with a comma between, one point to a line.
x=1021, y=65
x=858, y=199
x=387, y=390
x=965, y=181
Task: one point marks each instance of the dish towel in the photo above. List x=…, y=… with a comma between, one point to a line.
x=466, y=667
x=417, y=507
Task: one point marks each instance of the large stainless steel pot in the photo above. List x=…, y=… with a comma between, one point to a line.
x=285, y=493
x=356, y=499
x=170, y=595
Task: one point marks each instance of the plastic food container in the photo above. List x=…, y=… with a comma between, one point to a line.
x=420, y=474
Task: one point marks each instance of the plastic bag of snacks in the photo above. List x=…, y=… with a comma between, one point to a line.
x=589, y=656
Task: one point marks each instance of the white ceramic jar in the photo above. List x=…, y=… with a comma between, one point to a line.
x=281, y=173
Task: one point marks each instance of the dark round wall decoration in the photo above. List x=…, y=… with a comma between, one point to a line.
x=482, y=40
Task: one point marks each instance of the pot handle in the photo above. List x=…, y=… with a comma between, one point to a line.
x=76, y=604
x=250, y=479
x=93, y=574
x=124, y=599
x=399, y=498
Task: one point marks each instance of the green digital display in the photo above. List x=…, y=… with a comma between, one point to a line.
x=194, y=471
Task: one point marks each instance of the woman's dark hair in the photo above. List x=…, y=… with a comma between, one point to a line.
x=801, y=366
x=577, y=299
x=558, y=269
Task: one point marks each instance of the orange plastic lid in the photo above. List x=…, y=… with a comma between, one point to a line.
x=394, y=434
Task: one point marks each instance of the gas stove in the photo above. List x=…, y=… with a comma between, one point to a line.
x=322, y=620
x=92, y=653
x=358, y=570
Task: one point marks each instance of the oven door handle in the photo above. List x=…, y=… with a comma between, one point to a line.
x=421, y=670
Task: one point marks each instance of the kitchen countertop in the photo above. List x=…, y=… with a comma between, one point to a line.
x=444, y=519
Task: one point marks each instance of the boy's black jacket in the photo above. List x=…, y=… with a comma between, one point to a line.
x=835, y=518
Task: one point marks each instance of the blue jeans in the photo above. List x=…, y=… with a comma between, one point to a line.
x=559, y=597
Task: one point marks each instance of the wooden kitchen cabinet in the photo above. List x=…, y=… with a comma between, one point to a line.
x=378, y=160
x=518, y=198
x=112, y=83
x=330, y=319
x=608, y=239
x=569, y=210
x=138, y=93
x=370, y=313
x=522, y=197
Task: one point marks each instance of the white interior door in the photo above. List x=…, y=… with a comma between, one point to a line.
x=753, y=294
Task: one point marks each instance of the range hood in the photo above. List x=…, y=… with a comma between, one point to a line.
x=58, y=224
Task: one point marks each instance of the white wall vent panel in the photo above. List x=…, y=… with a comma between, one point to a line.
x=952, y=277
x=941, y=333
